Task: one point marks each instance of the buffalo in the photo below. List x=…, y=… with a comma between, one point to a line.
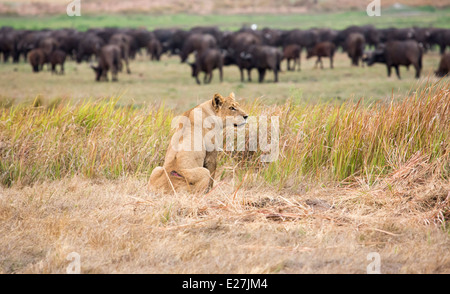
x=323, y=49
x=57, y=57
x=354, y=45
x=36, y=57
x=90, y=44
x=395, y=34
x=206, y=61
x=171, y=40
x=440, y=37
x=303, y=38
x=197, y=42
x=109, y=59
x=444, y=65
x=9, y=40
x=154, y=49
x=123, y=41
x=292, y=52
x=263, y=57
x=235, y=45
x=396, y=53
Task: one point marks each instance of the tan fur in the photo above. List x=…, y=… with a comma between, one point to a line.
x=193, y=171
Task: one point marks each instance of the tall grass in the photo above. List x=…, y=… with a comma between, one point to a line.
x=91, y=139
x=323, y=142
x=329, y=142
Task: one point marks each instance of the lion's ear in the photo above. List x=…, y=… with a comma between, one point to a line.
x=231, y=95
x=217, y=101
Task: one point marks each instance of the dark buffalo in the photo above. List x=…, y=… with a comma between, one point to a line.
x=355, y=45
x=210, y=30
x=422, y=35
x=395, y=34
x=57, y=57
x=9, y=40
x=441, y=38
x=141, y=37
x=90, y=44
x=104, y=33
x=396, y=53
x=292, y=52
x=303, y=38
x=328, y=35
x=29, y=41
x=123, y=41
x=36, y=57
x=206, y=61
x=371, y=35
x=48, y=45
x=444, y=65
x=272, y=37
x=263, y=57
x=69, y=43
x=323, y=49
x=109, y=59
x=235, y=45
x=7, y=44
x=197, y=42
x=154, y=49
x=176, y=43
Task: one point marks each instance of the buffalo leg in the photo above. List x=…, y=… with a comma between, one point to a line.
x=197, y=80
x=221, y=74
x=388, y=70
x=128, y=66
x=262, y=73
x=418, y=69
x=397, y=71
x=249, y=73
x=210, y=76
x=300, y=58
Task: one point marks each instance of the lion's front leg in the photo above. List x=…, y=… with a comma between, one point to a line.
x=211, y=164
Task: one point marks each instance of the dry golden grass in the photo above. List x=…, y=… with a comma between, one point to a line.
x=120, y=227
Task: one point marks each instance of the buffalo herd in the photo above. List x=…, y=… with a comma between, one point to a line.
x=212, y=48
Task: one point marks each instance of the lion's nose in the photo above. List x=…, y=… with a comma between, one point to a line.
x=245, y=116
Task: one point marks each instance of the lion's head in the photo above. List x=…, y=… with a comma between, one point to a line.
x=228, y=108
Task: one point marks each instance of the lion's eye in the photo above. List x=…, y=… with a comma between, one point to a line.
x=232, y=108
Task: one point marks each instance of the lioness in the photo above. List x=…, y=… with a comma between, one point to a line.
x=190, y=162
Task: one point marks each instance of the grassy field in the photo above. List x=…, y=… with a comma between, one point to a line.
x=170, y=82
x=364, y=164
x=420, y=16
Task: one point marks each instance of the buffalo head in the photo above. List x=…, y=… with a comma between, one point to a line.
x=98, y=72
x=376, y=56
